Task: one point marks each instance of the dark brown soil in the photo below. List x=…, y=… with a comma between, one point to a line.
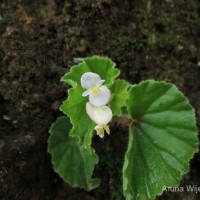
x=38, y=42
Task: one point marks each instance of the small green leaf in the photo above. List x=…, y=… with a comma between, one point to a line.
x=162, y=139
x=103, y=66
x=72, y=162
x=119, y=96
x=74, y=106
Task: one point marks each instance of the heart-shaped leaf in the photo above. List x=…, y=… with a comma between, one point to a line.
x=162, y=139
x=74, y=163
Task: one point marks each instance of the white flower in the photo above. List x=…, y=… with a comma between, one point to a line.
x=101, y=116
x=99, y=94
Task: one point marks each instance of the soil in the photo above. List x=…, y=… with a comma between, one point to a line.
x=39, y=41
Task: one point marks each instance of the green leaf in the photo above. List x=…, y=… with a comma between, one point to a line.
x=72, y=162
x=100, y=65
x=119, y=96
x=74, y=106
x=162, y=139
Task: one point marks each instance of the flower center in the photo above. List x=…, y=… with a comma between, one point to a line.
x=95, y=90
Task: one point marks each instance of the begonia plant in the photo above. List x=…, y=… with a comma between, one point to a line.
x=162, y=129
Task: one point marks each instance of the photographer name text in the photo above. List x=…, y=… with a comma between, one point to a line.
x=188, y=188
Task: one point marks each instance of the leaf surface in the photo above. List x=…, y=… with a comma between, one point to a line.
x=72, y=162
x=119, y=96
x=162, y=139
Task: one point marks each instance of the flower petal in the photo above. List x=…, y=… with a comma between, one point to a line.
x=100, y=83
x=101, y=98
x=89, y=80
x=100, y=115
x=86, y=93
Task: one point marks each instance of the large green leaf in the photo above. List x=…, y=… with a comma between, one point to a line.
x=74, y=106
x=72, y=162
x=119, y=96
x=162, y=139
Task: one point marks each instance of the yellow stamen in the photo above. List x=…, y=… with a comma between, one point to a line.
x=95, y=90
x=101, y=128
x=106, y=128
